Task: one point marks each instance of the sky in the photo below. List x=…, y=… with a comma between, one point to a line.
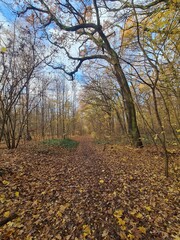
x=6, y=22
x=5, y=13
x=7, y=18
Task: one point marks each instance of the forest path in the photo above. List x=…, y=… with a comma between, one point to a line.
x=87, y=193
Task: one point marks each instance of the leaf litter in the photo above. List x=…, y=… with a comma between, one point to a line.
x=87, y=193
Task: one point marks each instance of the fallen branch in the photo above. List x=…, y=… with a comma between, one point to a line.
x=8, y=219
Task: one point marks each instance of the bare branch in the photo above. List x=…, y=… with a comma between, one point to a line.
x=81, y=60
x=126, y=4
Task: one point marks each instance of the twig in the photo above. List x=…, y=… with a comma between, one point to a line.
x=8, y=219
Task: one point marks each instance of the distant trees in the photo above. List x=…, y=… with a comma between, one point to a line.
x=20, y=58
x=82, y=22
x=108, y=32
x=53, y=113
x=104, y=104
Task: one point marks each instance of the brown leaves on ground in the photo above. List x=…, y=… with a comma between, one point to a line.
x=88, y=193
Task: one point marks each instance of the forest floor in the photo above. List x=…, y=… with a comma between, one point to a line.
x=92, y=192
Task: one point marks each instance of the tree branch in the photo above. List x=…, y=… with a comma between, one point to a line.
x=8, y=219
x=97, y=12
x=126, y=4
x=81, y=60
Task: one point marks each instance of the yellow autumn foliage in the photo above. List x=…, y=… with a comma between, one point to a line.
x=17, y=194
x=121, y=222
x=6, y=214
x=86, y=230
x=5, y=182
x=129, y=32
x=139, y=215
x=148, y=208
x=142, y=229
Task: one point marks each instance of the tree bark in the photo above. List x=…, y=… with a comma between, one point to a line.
x=130, y=111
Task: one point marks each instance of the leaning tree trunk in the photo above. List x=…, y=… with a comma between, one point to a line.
x=130, y=112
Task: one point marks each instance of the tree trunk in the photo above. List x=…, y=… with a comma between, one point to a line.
x=28, y=135
x=130, y=112
x=161, y=135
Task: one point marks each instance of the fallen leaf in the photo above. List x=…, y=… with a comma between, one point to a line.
x=62, y=208
x=17, y=194
x=59, y=214
x=121, y=221
x=142, y=230
x=5, y=182
x=139, y=215
x=118, y=213
x=130, y=236
x=176, y=238
x=29, y=237
x=105, y=233
x=114, y=193
x=148, y=208
x=58, y=237
x=2, y=198
x=123, y=228
x=35, y=202
x=133, y=212
x=86, y=230
x=6, y=214
x=123, y=235
x=101, y=181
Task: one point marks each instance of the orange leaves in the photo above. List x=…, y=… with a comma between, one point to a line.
x=142, y=229
x=86, y=195
x=118, y=215
x=130, y=229
x=88, y=13
x=30, y=19
x=130, y=27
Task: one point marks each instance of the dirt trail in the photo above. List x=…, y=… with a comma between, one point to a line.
x=87, y=193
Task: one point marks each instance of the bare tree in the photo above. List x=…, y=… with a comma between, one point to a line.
x=19, y=59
